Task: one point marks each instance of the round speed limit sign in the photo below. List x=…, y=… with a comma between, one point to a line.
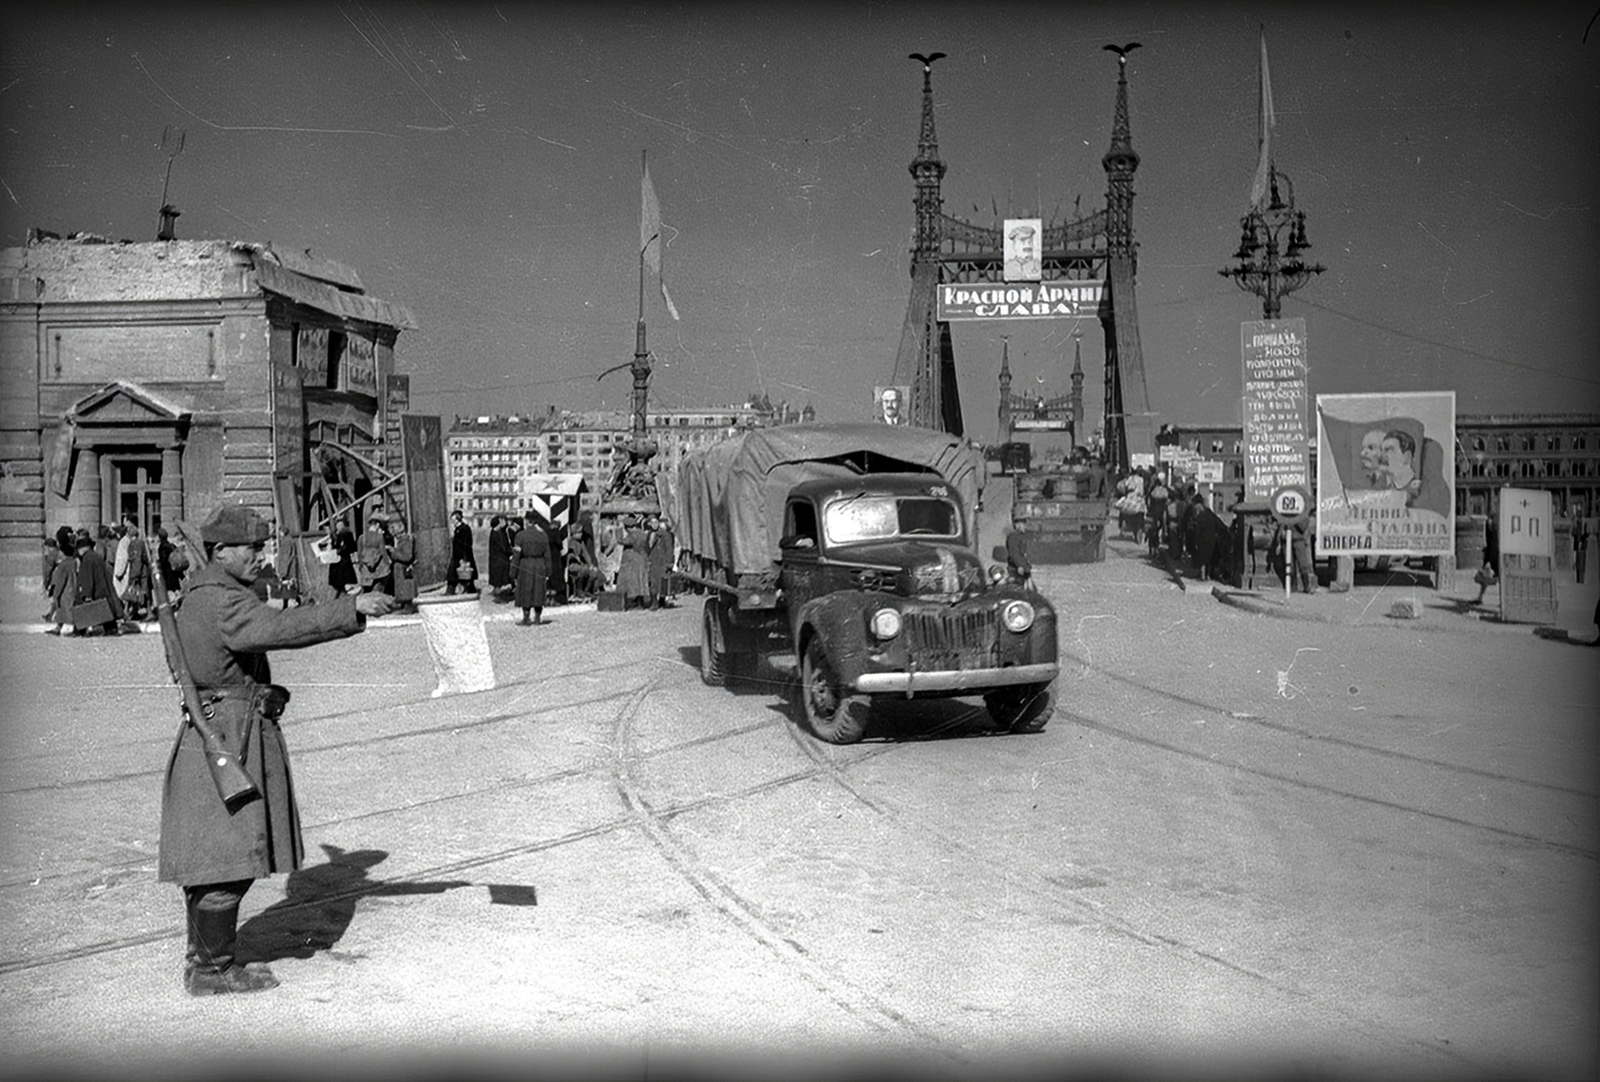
x=1291, y=504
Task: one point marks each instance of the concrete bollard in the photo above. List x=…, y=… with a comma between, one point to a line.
x=1406, y=609
x=1344, y=574
x=1444, y=573
x=457, y=642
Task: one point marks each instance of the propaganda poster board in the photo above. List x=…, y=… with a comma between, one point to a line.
x=422, y=447
x=1527, y=556
x=288, y=444
x=1384, y=477
x=1276, y=444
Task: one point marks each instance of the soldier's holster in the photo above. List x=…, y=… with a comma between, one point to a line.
x=234, y=712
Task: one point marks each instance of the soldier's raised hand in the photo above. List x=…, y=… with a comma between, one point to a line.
x=374, y=604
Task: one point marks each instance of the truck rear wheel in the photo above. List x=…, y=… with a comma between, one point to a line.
x=713, y=662
x=833, y=715
x=1024, y=709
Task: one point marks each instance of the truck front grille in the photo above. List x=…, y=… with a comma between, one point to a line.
x=943, y=641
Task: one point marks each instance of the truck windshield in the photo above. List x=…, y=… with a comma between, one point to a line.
x=877, y=518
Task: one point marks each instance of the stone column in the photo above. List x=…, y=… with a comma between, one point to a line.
x=86, y=484
x=171, y=486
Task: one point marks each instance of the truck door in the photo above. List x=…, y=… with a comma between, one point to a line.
x=801, y=545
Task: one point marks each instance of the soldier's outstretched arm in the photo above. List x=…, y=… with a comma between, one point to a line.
x=249, y=625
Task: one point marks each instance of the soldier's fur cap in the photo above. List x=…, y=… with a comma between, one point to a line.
x=234, y=524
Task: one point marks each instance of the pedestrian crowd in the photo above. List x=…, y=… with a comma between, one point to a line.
x=99, y=582
x=1177, y=522
x=532, y=561
x=382, y=560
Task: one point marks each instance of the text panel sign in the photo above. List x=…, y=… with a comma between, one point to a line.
x=1019, y=300
x=1526, y=522
x=1276, y=444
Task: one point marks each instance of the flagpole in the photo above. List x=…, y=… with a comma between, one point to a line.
x=641, y=355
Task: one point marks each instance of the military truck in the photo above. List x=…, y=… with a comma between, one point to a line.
x=853, y=547
x=1063, y=513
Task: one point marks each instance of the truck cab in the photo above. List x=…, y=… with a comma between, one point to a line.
x=884, y=594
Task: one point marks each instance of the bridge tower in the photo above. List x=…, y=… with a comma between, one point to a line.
x=1094, y=247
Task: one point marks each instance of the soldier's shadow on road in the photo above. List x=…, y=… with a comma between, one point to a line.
x=319, y=905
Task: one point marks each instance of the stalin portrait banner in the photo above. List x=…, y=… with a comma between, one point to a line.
x=1385, y=474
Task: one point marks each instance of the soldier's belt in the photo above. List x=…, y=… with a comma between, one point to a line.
x=269, y=700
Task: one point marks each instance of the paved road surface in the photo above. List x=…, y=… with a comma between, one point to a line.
x=1347, y=845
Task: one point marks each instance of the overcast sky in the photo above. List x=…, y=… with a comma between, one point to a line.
x=480, y=164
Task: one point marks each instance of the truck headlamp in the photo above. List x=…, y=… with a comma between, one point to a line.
x=885, y=624
x=1017, y=616
x=997, y=575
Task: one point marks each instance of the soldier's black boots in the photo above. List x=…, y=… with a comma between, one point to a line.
x=210, y=968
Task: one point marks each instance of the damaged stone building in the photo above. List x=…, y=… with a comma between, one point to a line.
x=160, y=379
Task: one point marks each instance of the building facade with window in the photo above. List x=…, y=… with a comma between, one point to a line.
x=1556, y=452
x=161, y=379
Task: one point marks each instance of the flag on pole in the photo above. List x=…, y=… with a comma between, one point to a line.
x=650, y=238
x=1269, y=120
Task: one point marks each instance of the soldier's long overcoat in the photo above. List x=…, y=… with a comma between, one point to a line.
x=530, y=563
x=226, y=631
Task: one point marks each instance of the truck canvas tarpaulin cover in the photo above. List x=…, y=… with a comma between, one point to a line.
x=728, y=507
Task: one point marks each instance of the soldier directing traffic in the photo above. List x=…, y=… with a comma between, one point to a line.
x=215, y=850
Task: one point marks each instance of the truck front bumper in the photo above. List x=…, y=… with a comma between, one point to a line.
x=910, y=683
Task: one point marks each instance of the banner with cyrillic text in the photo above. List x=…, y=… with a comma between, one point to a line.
x=1019, y=300
x=1277, y=447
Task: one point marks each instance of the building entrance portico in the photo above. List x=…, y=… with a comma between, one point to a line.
x=117, y=451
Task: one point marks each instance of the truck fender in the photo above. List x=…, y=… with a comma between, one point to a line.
x=836, y=617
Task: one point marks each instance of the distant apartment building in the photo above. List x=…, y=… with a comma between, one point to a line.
x=1556, y=452
x=499, y=465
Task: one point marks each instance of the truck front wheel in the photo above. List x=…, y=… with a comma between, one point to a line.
x=833, y=715
x=1023, y=709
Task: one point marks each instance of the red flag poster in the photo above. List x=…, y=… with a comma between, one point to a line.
x=1385, y=469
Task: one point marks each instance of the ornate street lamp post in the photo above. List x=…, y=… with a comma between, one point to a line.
x=1274, y=236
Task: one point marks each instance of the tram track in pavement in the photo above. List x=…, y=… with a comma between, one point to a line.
x=599, y=828
x=832, y=765
x=654, y=823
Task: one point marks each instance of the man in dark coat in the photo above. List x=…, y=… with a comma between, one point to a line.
x=214, y=851
x=1210, y=540
x=403, y=551
x=1155, y=515
x=661, y=552
x=633, y=578
x=374, y=564
x=1305, y=570
x=463, y=570
x=62, y=585
x=94, y=583
x=342, y=572
x=499, y=556
x=1018, y=566
x=530, y=563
